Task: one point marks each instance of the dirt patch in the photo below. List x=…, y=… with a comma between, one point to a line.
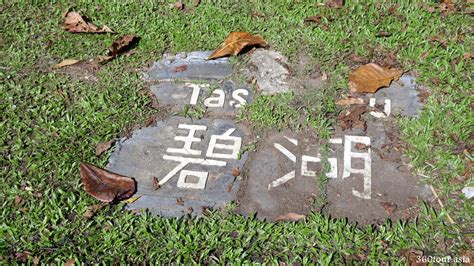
x=84, y=71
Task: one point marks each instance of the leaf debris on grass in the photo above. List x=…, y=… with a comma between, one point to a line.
x=353, y=119
x=121, y=45
x=235, y=42
x=105, y=185
x=66, y=62
x=103, y=147
x=371, y=77
x=75, y=23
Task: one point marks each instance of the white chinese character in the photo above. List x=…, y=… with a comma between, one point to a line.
x=234, y=148
x=188, y=140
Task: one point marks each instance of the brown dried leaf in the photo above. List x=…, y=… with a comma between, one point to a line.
x=22, y=256
x=369, y=78
x=36, y=260
x=181, y=68
x=92, y=210
x=235, y=42
x=313, y=19
x=18, y=200
x=357, y=59
x=291, y=216
x=196, y=3
x=66, y=62
x=334, y=3
x=106, y=186
x=155, y=183
x=389, y=207
x=103, y=146
x=353, y=119
x=75, y=23
x=351, y=101
x=122, y=45
x=178, y=6
x=70, y=262
x=235, y=172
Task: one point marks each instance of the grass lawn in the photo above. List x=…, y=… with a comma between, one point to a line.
x=50, y=122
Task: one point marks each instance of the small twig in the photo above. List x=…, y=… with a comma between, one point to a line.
x=442, y=205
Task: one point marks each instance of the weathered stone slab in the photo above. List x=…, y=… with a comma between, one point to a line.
x=219, y=98
x=189, y=66
x=371, y=181
x=190, y=160
x=401, y=98
x=282, y=177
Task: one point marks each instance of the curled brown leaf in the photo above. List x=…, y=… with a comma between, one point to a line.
x=371, y=77
x=75, y=23
x=235, y=42
x=103, y=146
x=121, y=45
x=105, y=185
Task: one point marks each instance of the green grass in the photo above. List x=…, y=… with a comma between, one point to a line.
x=50, y=123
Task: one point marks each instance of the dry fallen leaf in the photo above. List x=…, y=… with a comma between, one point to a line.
x=70, y=262
x=196, y=3
x=106, y=186
x=351, y=101
x=103, y=146
x=181, y=68
x=334, y=3
x=235, y=42
x=353, y=119
x=66, y=62
x=369, y=78
x=178, y=6
x=314, y=19
x=74, y=22
x=291, y=216
x=120, y=46
x=389, y=207
x=235, y=172
x=155, y=183
x=92, y=210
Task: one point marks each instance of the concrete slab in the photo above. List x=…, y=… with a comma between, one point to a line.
x=372, y=182
x=274, y=181
x=401, y=96
x=182, y=165
x=219, y=98
x=189, y=66
x=368, y=178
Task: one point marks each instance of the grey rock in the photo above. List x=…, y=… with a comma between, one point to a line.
x=195, y=66
x=468, y=192
x=403, y=95
x=270, y=69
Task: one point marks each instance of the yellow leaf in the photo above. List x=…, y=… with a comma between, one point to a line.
x=371, y=77
x=132, y=199
x=235, y=42
x=66, y=62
